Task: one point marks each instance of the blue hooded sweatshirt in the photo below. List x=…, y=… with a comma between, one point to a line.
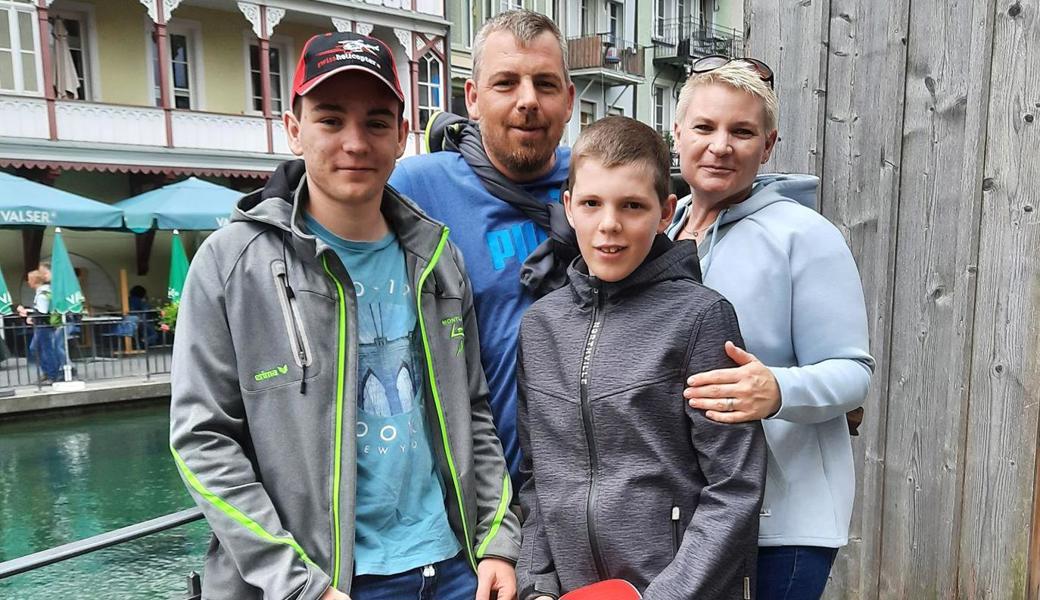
x=796, y=290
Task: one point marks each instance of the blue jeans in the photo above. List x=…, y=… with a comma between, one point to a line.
x=49, y=347
x=451, y=579
x=793, y=572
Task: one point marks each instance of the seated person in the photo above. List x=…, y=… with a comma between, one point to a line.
x=622, y=478
x=145, y=315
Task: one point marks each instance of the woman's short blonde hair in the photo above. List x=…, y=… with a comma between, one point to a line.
x=738, y=75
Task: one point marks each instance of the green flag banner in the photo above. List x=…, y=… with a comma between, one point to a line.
x=5, y=297
x=178, y=269
x=66, y=297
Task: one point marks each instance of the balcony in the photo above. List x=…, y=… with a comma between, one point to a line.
x=616, y=61
x=101, y=132
x=681, y=41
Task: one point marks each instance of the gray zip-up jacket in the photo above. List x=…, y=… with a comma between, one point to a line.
x=623, y=478
x=263, y=410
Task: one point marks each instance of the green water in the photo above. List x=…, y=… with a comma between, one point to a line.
x=66, y=478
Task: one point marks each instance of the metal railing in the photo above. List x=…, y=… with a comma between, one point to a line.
x=44, y=558
x=686, y=39
x=100, y=347
x=605, y=51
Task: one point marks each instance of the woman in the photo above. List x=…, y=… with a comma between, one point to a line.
x=44, y=343
x=797, y=293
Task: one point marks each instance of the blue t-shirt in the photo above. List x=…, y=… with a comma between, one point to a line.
x=495, y=239
x=401, y=521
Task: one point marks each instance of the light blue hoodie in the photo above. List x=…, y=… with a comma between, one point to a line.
x=795, y=287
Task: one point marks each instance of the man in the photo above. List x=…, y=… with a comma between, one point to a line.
x=522, y=96
x=327, y=414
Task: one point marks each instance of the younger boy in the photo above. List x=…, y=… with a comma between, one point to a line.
x=622, y=479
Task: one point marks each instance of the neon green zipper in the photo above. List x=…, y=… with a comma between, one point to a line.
x=437, y=397
x=338, y=451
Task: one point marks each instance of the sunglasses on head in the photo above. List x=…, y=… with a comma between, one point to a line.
x=710, y=63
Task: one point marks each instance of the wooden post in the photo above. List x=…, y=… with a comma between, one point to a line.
x=1003, y=384
x=32, y=246
x=264, y=57
x=162, y=43
x=124, y=300
x=863, y=148
x=48, y=66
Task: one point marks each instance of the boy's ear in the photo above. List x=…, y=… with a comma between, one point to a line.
x=667, y=212
x=292, y=132
x=567, y=207
x=402, y=137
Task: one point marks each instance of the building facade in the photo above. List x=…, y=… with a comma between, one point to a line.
x=110, y=98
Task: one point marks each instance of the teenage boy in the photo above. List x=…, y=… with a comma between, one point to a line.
x=622, y=481
x=329, y=412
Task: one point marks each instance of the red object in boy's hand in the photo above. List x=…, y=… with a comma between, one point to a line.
x=611, y=589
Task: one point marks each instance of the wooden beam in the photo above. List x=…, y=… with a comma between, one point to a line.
x=32, y=244
x=791, y=36
x=1004, y=384
x=264, y=58
x=162, y=43
x=1033, y=575
x=934, y=303
x=143, y=243
x=859, y=193
x=48, y=67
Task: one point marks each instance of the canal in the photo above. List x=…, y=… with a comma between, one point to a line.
x=64, y=478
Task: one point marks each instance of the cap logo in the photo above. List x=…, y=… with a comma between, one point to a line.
x=359, y=46
x=350, y=50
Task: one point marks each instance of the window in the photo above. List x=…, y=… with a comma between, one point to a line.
x=20, y=70
x=614, y=21
x=659, y=18
x=584, y=16
x=429, y=88
x=659, y=123
x=75, y=30
x=588, y=114
x=511, y=5
x=183, y=63
x=463, y=34
x=707, y=8
x=257, y=92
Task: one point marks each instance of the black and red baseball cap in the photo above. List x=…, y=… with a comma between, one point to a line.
x=330, y=53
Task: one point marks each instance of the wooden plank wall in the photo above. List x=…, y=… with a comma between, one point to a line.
x=922, y=120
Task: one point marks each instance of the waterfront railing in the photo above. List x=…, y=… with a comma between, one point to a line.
x=101, y=347
x=130, y=533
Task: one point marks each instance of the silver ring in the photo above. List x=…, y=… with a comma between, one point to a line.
x=729, y=404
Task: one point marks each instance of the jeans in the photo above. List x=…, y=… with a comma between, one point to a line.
x=793, y=572
x=450, y=579
x=48, y=346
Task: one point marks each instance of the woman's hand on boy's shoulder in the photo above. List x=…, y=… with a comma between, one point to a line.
x=748, y=392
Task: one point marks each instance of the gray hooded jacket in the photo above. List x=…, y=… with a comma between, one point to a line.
x=263, y=409
x=624, y=479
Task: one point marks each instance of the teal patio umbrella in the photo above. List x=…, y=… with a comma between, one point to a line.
x=5, y=309
x=192, y=205
x=25, y=203
x=5, y=297
x=178, y=268
x=66, y=296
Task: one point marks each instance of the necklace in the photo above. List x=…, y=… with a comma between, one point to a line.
x=695, y=233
